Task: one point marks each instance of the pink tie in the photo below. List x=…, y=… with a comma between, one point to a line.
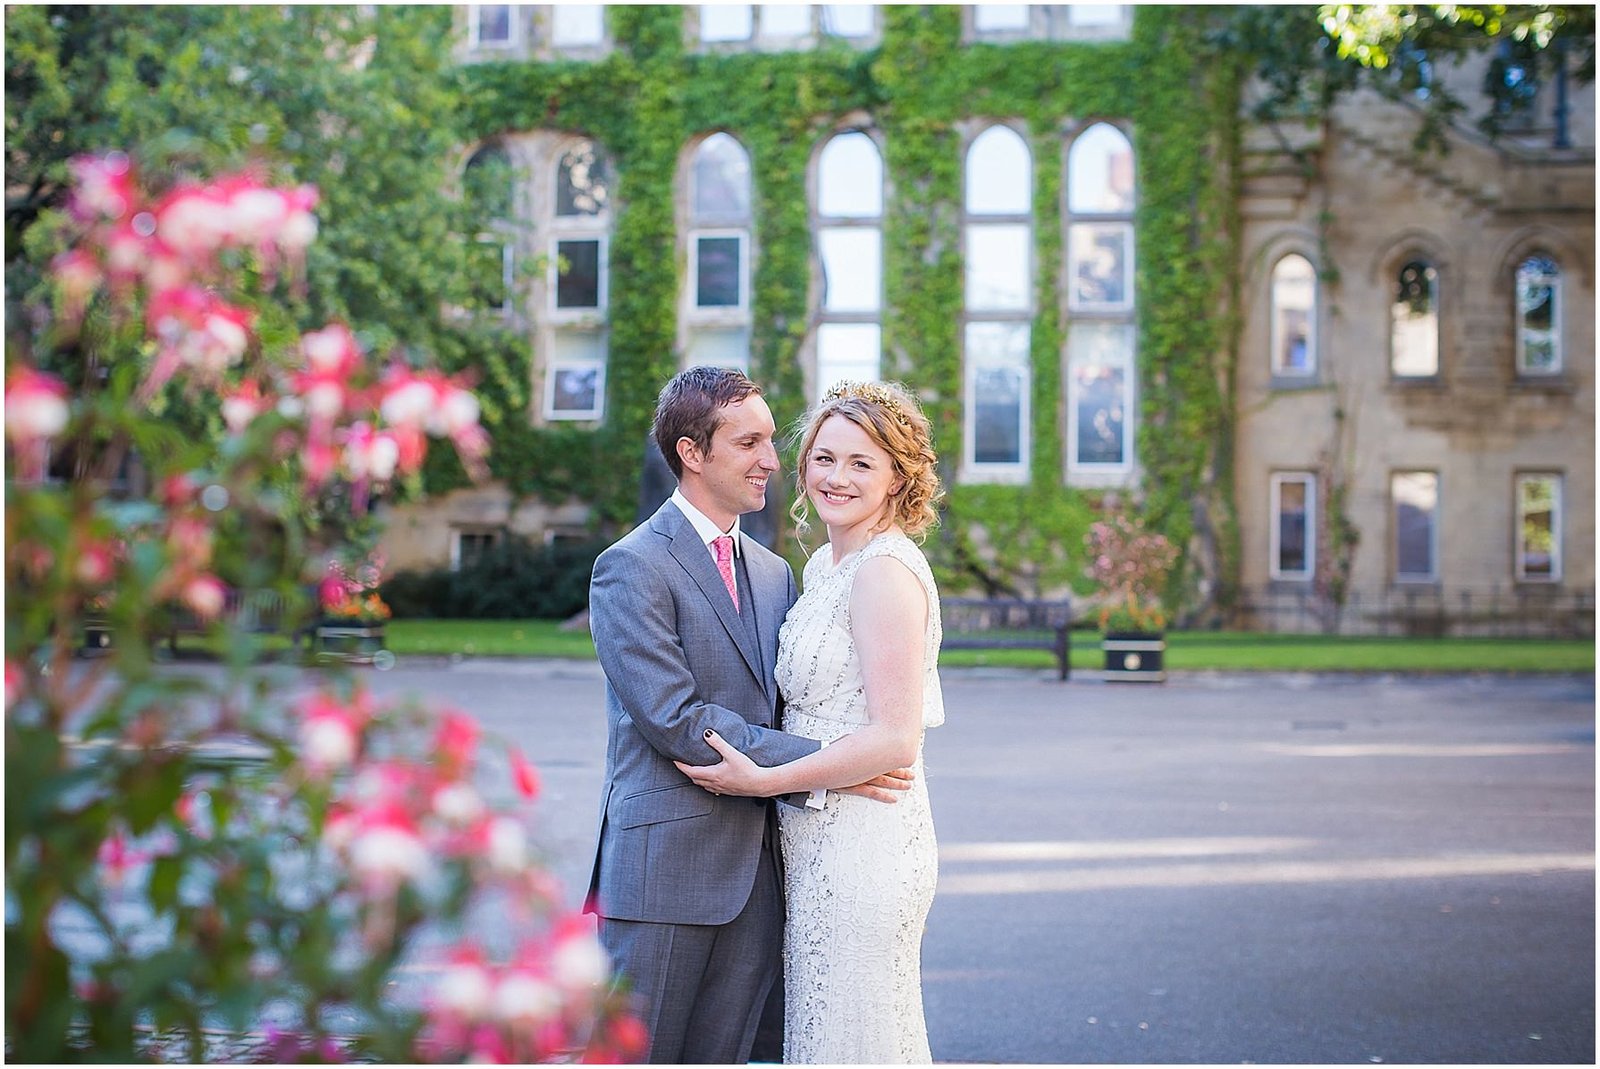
x=722, y=545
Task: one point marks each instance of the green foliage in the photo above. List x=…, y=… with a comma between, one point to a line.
x=514, y=580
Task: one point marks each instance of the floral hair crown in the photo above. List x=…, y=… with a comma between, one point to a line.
x=870, y=391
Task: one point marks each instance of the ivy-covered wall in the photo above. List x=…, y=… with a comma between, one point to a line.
x=649, y=98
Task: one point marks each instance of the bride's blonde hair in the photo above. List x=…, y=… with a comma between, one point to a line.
x=893, y=420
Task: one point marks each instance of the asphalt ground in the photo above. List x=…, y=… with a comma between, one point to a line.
x=1218, y=869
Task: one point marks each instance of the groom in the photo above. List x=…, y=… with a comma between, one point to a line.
x=685, y=615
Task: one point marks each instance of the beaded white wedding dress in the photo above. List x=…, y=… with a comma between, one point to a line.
x=859, y=875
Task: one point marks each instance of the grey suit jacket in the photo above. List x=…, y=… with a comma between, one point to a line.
x=678, y=658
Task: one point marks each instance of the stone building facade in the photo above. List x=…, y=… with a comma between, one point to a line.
x=1411, y=381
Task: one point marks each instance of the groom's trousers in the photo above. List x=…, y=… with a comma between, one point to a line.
x=702, y=987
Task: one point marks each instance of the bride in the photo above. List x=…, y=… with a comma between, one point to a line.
x=857, y=659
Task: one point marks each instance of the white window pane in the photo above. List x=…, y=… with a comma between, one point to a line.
x=1099, y=393
x=720, y=347
x=721, y=178
x=850, y=177
x=999, y=174
x=493, y=23
x=852, y=268
x=725, y=22
x=1085, y=15
x=1538, y=530
x=999, y=261
x=577, y=24
x=988, y=18
x=846, y=351
x=1538, y=316
x=848, y=20
x=997, y=391
x=1416, y=506
x=1414, y=322
x=575, y=387
x=1294, y=288
x=785, y=20
x=1100, y=267
x=1100, y=171
x=1293, y=532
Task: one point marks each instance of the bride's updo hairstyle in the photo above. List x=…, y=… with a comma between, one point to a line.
x=894, y=421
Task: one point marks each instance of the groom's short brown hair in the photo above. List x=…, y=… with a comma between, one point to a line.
x=690, y=406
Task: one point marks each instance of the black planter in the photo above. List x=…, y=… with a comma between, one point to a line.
x=1135, y=656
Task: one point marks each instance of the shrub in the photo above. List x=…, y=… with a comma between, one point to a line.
x=513, y=580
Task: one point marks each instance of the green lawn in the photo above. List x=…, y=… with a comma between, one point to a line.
x=1232, y=650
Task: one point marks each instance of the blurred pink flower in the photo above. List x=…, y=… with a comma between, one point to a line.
x=102, y=187
x=524, y=775
x=205, y=595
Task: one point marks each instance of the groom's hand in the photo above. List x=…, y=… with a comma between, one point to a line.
x=883, y=788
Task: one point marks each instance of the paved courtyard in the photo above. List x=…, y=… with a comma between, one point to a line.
x=1223, y=868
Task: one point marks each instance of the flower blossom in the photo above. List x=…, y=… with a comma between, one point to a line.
x=102, y=187
x=36, y=411
x=205, y=596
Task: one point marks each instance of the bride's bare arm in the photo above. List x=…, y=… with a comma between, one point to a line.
x=888, y=622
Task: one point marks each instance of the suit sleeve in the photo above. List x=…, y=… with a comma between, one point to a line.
x=632, y=614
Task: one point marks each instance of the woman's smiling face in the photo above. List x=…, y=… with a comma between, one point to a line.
x=848, y=477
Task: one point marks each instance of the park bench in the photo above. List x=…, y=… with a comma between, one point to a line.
x=1009, y=624
x=259, y=612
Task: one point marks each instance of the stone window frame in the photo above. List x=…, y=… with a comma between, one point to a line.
x=532, y=32
x=553, y=322
x=1077, y=473
x=1047, y=22
x=459, y=532
x=511, y=233
x=762, y=41
x=1435, y=531
x=1558, y=317
x=1275, y=570
x=1407, y=247
x=972, y=470
x=820, y=317
x=1557, y=519
x=1313, y=373
x=694, y=320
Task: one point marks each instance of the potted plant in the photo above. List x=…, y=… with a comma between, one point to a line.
x=353, y=615
x=1130, y=564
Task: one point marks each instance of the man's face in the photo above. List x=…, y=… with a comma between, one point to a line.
x=731, y=479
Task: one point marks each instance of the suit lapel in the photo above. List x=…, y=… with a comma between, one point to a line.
x=767, y=589
x=692, y=554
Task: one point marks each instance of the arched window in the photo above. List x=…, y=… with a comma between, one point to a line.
x=1414, y=322
x=1539, y=316
x=998, y=255
x=1100, y=349
x=717, y=299
x=1294, y=317
x=849, y=229
x=488, y=183
x=579, y=283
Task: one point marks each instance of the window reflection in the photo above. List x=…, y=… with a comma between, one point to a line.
x=721, y=178
x=1414, y=322
x=726, y=22
x=1100, y=171
x=719, y=274
x=846, y=351
x=991, y=18
x=1293, y=547
x=848, y=20
x=578, y=278
x=1538, y=316
x=1099, y=384
x=1538, y=514
x=1293, y=308
x=1100, y=267
x=785, y=20
x=1416, y=501
x=581, y=181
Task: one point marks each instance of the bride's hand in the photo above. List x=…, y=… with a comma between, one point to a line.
x=735, y=774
